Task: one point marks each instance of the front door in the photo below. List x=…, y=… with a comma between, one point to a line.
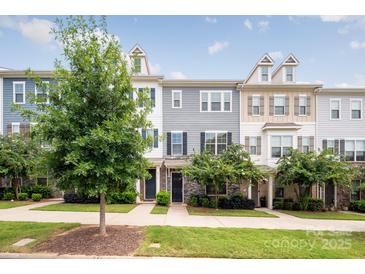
x=150, y=185
x=177, y=187
x=329, y=195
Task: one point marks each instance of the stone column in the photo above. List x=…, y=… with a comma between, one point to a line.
x=269, y=192
x=249, y=189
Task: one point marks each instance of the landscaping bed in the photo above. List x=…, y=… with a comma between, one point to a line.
x=228, y=212
x=110, y=208
x=327, y=215
x=157, y=209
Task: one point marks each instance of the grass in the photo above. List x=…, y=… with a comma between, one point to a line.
x=327, y=215
x=11, y=232
x=9, y=204
x=227, y=212
x=112, y=208
x=157, y=209
x=251, y=243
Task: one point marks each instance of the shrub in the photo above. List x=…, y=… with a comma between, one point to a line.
x=9, y=196
x=296, y=206
x=358, y=206
x=42, y=189
x=36, y=197
x=223, y=202
x=248, y=204
x=288, y=204
x=163, y=198
x=194, y=201
x=205, y=202
x=213, y=203
x=129, y=197
x=23, y=196
x=278, y=203
x=80, y=198
x=236, y=201
x=315, y=204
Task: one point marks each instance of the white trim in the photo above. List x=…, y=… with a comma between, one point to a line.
x=182, y=143
x=12, y=127
x=361, y=114
x=36, y=92
x=222, y=92
x=172, y=98
x=16, y=83
x=182, y=189
x=339, y=109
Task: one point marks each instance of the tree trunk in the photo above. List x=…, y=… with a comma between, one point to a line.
x=16, y=185
x=102, y=228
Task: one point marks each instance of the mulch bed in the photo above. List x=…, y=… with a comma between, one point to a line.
x=120, y=241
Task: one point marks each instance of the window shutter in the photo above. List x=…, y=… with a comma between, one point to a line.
x=300, y=143
x=144, y=134
x=262, y=105
x=271, y=104
x=130, y=95
x=202, y=141
x=286, y=105
x=296, y=105
x=337, y=147
x=185, y=143
x=324, y=144
x=153, y=97
x=342, y=147
x=229, y=138
x=308, y=105
x=168, y=143
x=247, y=143
x=249, y=105
x=140, y=90
x=9, y=129
x=311, y=143
x=155, y=138
x=258, y=140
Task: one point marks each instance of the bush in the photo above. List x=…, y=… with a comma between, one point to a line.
x=278, y=203
x=194, y=201
x=288, y=204
x=23, y=196
x=236, y=201
x=36, y=197
x=9, y=196
x=296, y=206
x=80, y=198
x=45, y=191
x=315, y=205
x=129, y=197
x=213, y=203
x=163, y=198
x=205, y=202
x=358, y=206
x=223, y=202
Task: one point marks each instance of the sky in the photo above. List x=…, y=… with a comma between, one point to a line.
x=331, y=49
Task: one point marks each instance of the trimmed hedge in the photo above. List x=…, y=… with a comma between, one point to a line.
x=358, y=206
x=9, y=196
x=236, y=201
x=127, y=197
x=23, y=196
x=46, y=191
x=36, y=197
x=288, y=204
x=79, y=199
x=163, y=198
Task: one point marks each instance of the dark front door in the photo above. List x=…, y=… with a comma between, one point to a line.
x=329, y=195
x=177, y=187
x=150, y=185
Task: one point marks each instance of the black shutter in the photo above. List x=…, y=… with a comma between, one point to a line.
x=337, y=147
x=202, y=141
x=144, y=134
x=342, y=148
x=229, y=139
x=185, y=143
x=168, y=143
x=155, y=138
x=153, y=97
x=324, y=144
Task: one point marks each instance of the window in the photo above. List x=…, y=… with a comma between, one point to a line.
x=279, y=105
x=177, y=143
x=152, y=95
x=264, y=73
x=19, y=92
x=176, y=99
x=280, y=145
x=253, y=145
x=42, y=93
x=255, y=105
x=137, y=66
x=215, y=142
x=149, y=135
x=215, y=101
x=289, y=75
x=210, y=189
x=279, y=192
x=355, y=150
x=355, y=190
x=350, y=150
x=335, y=109
x=15, y=128
x=331, y=145
x=360, y=150
x=302, y=105
x=356, y=106
x=305, y=144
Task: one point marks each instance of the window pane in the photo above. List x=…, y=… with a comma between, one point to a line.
x=350, y=150
x=16, y=129
x=287, y=141
x=253, y=150
x=210, y=138
x=302, y=101
x=227, y=101
x=276, y=152
x=221, y=148
x=176, y=149
x=356, y=105
x=305, y=141
x=176, y=103
x=204, y=106
x=204, y=102
x=256, y=101
x=215, y=101
x=275, y=141
x=210, y=148
x=335, y=104
x=221, y=138
x=360, y=150
x=253, y=141
x=19, y=98
x=19, y=88
x=330, y=143
x=335, y=114
x=302, y=110
x=177, y=138
x=279, y=101
x=356, y=114
x=256, y=110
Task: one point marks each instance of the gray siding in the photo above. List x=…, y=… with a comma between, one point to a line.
x=189, y=118
x=338, y=129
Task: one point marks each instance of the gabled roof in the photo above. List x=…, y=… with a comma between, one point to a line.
x=137, y=50
x=264, y=60
x=290, y=60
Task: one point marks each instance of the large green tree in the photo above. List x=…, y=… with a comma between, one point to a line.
x=91, y=122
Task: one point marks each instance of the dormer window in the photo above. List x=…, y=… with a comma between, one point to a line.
x=137, y=67
x=289, y=75
x=264, y=73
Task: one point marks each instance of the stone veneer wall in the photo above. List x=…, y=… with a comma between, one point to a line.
x=343, y=197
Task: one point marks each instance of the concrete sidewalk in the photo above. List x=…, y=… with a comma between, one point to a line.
x=177, y=216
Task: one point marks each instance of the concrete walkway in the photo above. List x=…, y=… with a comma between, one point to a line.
x=177, y=216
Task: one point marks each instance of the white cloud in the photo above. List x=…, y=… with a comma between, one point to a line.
x=333, y=18
x=210, y=20
x=357, y=45
x=248, y=24
x=217, y=47
x=276, y=55
x=351, y=22
x=36, y=30
x=155, y=68
x=177, y=75
x=263, y=26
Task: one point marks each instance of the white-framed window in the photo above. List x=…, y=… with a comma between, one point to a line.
x=15, y=128
x=279, y=105
x=265, y=74
x=42, y=94
x=289, y=74
x=305, y=144
x=253, y=145
x=356, y=109
x=356, y=190
x=335, y=105
x=176, y=99
x=302, y=105
x=216, y=101
x=216, y=142
x=19, y=92
x=331, y=145
x=355, y=150
x=280, y=145
x=176, y=143
x=137, y=64
x=255, y=105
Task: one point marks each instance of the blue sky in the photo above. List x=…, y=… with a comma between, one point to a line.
x=331, y=49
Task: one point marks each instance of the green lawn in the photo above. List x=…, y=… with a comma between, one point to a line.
x=9, y=204
x=329, y=215
x=251, y=243
x=113, y=208
x=228, y=212
x=11, y=232
x=157, y=209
